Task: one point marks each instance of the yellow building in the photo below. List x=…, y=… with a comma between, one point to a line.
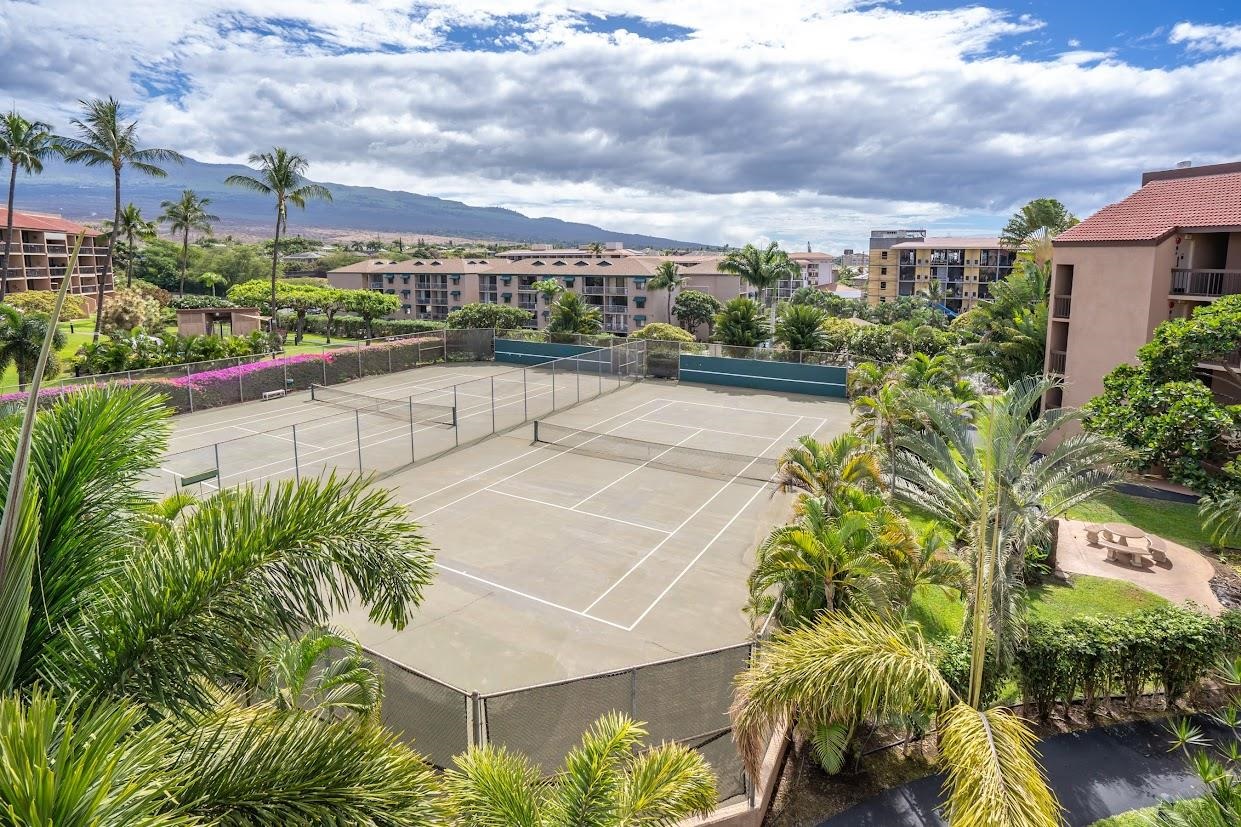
x=907, y=262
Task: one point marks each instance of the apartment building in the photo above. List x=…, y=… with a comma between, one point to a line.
x=39, y=255
x=816, y=269
x=614, y=281
x=963, y=267
x=1170, y=247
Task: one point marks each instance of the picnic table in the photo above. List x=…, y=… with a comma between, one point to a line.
x=1131, y=543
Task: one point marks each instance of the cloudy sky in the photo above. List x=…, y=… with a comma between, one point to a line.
x=720, y=121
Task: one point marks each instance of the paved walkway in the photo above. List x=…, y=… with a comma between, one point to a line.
x=1095, y=774
x=1186, y=576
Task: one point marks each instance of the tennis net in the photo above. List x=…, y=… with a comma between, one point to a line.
x=696, y=461
x=404, y=410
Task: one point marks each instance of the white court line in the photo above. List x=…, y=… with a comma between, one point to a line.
x=574, y=509
x=709, y=430
x=537, y=464
x=477, y=474
x=530, y=596
x=686, y=521
x=711, y=542
x=635, y=470
x=275, y=435
x=746, y=410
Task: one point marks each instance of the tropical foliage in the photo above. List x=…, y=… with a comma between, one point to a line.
x=25, y=145
x=669, y=279
x=487, y=315
x=185, y=215
x=1041, y=219
x=21, y=337
x=741, y=323
x=127, y=310
x=800, y=327
x=134, y=227
x=44, y=301
x=571, y=314
x=694, y=308
x=662, y=332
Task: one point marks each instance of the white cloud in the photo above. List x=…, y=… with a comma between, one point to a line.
x=791, y=119
x=1206, y=38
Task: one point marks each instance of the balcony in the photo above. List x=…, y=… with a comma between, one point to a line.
x=1060, y=307
x=1055, y=362
x=593, y=291
x=1206, y=283
x=60, y=249
x=32, y=248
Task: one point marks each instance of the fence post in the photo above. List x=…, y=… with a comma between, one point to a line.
x=297, y=474
x=475, y=735
x=577, y=384
x=525, y=403
x=413, y=445
x=241, y=386
x=599, y=370
x=357, y=421
x=390, y=360
x=219, y=475
x=493, y=404
x=553, y=363
x=456, y=431
x=189, y=387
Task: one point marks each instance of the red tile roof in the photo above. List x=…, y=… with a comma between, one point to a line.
x=1162, y=207
x=40, y=221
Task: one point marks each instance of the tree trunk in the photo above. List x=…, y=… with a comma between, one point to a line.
x=275, y=258
x=8, y=237
x=301, y=326
x=101, y=278
x=129, y=265
x=185, y=257
x=330, y=314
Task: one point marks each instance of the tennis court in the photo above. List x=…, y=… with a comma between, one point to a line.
x=623, y=535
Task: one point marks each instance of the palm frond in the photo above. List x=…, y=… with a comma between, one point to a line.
x=993, y=775
x=588, y=788
x=492, y=787
x=665, y=786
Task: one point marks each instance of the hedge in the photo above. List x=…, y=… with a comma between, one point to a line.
x=354, y=327
x=1096, y=657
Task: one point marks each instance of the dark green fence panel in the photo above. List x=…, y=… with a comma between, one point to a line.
x=789, y=377
x=537, y=353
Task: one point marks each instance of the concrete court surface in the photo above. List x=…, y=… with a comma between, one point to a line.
x=555, y=564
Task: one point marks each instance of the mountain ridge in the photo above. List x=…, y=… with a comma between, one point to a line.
x=85, y=193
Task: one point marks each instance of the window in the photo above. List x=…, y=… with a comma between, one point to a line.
x=883, y=271
x=884, y=254
x=883, y=285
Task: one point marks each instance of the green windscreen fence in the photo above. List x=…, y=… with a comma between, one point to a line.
x=789, y=377
x=520, y=352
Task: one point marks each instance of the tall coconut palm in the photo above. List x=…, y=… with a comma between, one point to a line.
x=135, y=228
x=188, y=213
x=821, y=469
x=281, y=176
x=25, y=145
x=142, y=631
x=104, y=139
x=570, y=314
x=762, y=269
x=608, y=780
x=667, y=277
x=21, y=337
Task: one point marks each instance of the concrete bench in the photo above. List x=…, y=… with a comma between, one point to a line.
x=1092, y=533
x=1138, y=557
x=276, y=394
x=1158, y=548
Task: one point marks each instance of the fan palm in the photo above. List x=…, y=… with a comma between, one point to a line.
x=187, y=213
x=570, y=314
x=800, y=327
x=21, y=337
x=281, y=175
x=821, y=469
x=104, y=139
x=134, y=227
x=667, y=277
x=25, y=145
x=607, y=781
x=998, y=485
x=763, y=269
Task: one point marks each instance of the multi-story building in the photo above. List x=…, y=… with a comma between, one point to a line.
x=964, y=267
x=40, y=251
x=1172, y=246
x=613, y=281
x=816, y=269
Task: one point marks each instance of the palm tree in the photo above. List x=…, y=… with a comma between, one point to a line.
x=879, y=417
x=25, y=144
x=282, y=176
x=800, y=327
x=212, y=280
x=821, y=469
x=933, y=292
x=867, y=378
x=997, y=485
x=187, y=213
x=595, y=249
x=818, y=563
x=322, y=672
x=549, y=289
x=134, y=227
x=608, y=780
x=741, y=324
x=1042, y=218
x=668, y=278
x=21, y=337
x=927, y=561
x=761, y=269
x=572, y=315
x=105, y=140
x=1012, y=325
x=139, y=633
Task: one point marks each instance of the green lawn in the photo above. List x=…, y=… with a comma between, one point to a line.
x=1177, y=522
x=1145, y=816
x=941, y=614
x=81, y=334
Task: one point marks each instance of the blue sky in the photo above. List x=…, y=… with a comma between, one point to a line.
x=806, y=121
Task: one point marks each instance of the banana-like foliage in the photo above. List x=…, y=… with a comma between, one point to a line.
x=604, y=782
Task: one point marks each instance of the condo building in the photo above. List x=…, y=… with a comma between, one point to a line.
x=1167, y=249
x=907, y=262
x=40, y=251
x=615, y=281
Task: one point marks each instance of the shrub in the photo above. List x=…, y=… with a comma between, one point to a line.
x=663, y=332
x=153, y=290
x=485, y=315
x=129, y=309
x=191, y=301
x=44, y=302
x=354, y=327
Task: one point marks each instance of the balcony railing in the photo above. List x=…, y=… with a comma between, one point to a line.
x=32, y=248
x=593, y=291
x=1211, y=283
x=1060, y=307
x=1055, y=362
x=61, y=250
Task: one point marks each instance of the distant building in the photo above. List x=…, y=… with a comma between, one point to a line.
x=1171, y=247
x=816, y=269
x=39, y=255
x=906, y=262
